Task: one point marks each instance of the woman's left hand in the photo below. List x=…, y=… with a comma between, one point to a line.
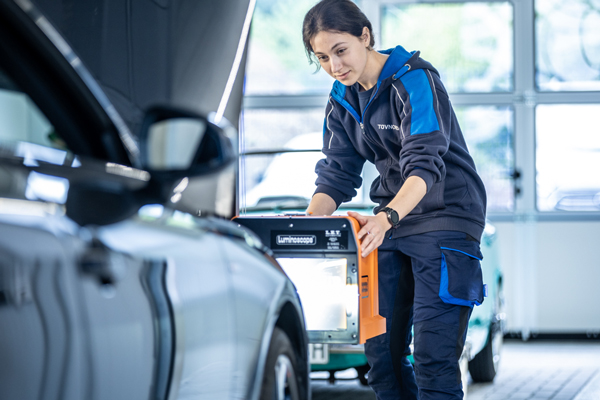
x=372, y=232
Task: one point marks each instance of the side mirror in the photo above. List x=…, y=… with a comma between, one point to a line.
x=191, y=162
x=179, y=144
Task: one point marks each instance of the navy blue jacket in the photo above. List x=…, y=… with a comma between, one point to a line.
x=408, y=128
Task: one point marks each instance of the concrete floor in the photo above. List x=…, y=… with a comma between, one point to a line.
x=536, y=370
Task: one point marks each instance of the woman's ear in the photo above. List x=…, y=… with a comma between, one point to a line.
x=366, y=36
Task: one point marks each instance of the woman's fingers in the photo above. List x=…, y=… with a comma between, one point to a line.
x=370, y=245
x=363, y=221
x=371, y=240
x=370, y=234
x=364, y=231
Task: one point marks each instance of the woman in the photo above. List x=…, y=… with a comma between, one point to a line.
x=391, y=108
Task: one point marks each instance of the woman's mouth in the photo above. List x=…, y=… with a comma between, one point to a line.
x=343, y=76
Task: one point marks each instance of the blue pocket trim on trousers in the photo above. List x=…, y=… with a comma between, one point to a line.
x=474, y=276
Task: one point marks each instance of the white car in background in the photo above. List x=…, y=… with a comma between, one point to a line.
x=289, y=180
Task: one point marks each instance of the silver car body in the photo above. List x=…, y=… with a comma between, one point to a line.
x=157, y=304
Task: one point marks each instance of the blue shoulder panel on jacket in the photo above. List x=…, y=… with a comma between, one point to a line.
x=423, y=119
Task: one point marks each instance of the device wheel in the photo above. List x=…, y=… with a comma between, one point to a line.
x=484, y=365
x=280, y=381
x=362, y=373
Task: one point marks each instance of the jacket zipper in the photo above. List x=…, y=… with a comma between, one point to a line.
x=372, y=141
x=361, y=118
x=369, y=103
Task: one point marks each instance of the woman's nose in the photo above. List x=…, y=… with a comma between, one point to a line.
x=336, y=65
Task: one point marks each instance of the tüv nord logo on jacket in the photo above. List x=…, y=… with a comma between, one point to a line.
x=310, y=240
x=393, y=127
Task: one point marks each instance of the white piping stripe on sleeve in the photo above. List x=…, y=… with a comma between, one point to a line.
x=328, y=114
x=437, y=100
x=403, y=110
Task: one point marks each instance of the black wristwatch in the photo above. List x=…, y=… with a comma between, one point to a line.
x=392, y=216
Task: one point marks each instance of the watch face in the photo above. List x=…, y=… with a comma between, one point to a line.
x=393, y=215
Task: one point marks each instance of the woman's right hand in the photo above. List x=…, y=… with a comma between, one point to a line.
x=321, y=204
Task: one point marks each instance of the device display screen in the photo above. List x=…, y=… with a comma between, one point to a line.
x=328, y=300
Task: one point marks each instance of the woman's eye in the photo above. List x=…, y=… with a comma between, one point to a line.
x=340, y=51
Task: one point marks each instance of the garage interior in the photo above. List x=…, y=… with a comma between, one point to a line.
x=524, y=79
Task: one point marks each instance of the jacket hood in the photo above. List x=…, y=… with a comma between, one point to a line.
x=398, y=63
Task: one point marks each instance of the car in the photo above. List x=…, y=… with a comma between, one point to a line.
x=121, y=275
x=482, y=351
x=574, y=199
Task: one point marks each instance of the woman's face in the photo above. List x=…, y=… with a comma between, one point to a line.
x=341, y=55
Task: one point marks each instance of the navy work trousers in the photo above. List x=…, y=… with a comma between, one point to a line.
x=409, y=286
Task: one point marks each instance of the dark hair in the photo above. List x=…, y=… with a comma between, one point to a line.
x=334, y=16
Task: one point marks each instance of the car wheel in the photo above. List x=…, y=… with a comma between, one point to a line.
x=280, y=381
x=362, y=373
x=484, y=365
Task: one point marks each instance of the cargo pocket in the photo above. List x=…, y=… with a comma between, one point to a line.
x=461, y=279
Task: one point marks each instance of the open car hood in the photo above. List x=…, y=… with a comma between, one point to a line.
x=184, y=53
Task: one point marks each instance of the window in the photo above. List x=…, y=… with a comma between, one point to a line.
x=469, y=43
x=277, y=62
x=488, y=132
x=275, y=172
x=567, y=66
x=567, y=45
x=25, y=132
x=268, y=174
x=23, y=127
x=568, y=157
